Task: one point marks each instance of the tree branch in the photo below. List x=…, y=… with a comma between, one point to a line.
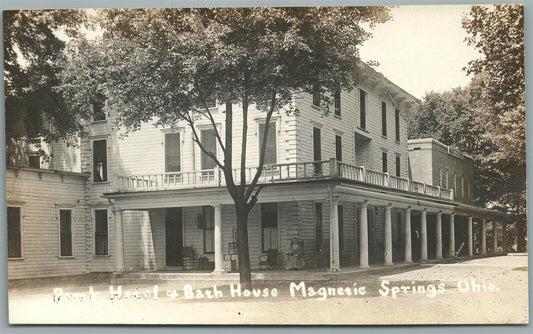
x=196, y=139
x=209, y=115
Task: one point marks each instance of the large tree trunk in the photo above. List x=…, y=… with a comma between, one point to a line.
x=245, y=274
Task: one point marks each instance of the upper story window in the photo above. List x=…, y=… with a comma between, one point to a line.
x=34, y=161
x=338, y=102
x=362, y=109
x=338, y=147
x=98, y=109
x=384, y=119
x=446, y=178
x=397, y=124
x=398, y=163
x=14, y=233
x=100, y=160
x=316, y=95
x=317, y=150
x=65, y=232
x=209, y=142
x=100, y=232
x=384, y=162
x=270, y=149
x=172, y=152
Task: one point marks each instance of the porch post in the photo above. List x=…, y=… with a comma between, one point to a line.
x=495, y=235
x=388, y=235
x=334, y=235
x=119, y=241
x=219, y=263
x=407, y=236
x=483, y=236
x=452, y=235
x=363, y=236
x=470, y=240
x=423, y=236
x=438, y=228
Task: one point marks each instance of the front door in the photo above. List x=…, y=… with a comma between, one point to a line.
x=173, y=237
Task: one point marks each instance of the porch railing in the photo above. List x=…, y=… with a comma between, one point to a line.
x=327, y=169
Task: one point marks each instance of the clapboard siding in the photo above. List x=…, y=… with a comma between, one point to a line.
x=41, y=194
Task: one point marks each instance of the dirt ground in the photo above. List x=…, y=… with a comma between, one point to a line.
x=482, y=291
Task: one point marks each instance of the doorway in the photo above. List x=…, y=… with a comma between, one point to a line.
x=173, y=237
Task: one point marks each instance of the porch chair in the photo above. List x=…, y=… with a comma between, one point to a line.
x=270, y=260
x=190, y=259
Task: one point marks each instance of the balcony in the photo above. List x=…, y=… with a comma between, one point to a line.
x=279, y=173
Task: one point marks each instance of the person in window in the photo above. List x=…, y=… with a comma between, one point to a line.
x=99, y=175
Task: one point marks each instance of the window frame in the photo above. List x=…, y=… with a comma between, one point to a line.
x=72, y=213
x=34, y=155
x=21, y=231
x=95, y=139
x=398, y=165
x=107, y=230
x=204, y=229
x=275, y=129
x=363, y=99
x=164, y=134
x=384, y=119
x=338, y=147
x=338, y=103
x=384, y=162
x=315, y=96
x=397, y=125
x=263, y=250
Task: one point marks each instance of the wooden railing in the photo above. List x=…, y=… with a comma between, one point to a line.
x=328, y=169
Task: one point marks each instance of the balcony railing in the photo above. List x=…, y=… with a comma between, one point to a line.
x=328, y=169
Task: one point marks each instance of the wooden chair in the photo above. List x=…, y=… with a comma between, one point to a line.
x=190, y=259
x=270, y=260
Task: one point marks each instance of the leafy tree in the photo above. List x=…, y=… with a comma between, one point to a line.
x=165, y=65
x=32, y=48
x=498, y=33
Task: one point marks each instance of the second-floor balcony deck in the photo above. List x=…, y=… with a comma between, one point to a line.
x=289, y=172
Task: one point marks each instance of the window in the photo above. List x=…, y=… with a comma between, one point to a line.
x=98, y=112
x=398, y=162
x=362, y=109
x=446, y=179
x=341, y=227
x=317, y=150
x=34, y=161
x=209, y=142
x=397, y=124
x=100, y=160
x=172, y=152
x=100, y=232
x=316, y=95
x=338, y=103
x=318, y=226
x=270, y=149
x=384, y=119
x=65, y=232
x=384, y=161
x=441, y=178
x=462, y=186
x=14, y=233
x=208, y=215
x=269, y=226
x=338, y=147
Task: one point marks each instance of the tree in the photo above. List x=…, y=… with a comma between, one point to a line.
x=498, y=33
x=32, y=49
x=165, y=65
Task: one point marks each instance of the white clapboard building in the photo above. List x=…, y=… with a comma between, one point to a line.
x=349, y=186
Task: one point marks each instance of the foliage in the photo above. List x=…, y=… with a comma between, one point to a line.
x=166, y=65
x=32, y=48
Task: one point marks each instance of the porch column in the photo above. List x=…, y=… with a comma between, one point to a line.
x=438, y=228
x=219, y=262
x=388, y=235
x=334, y=235
x=483, y=236
x=495, y=234
x=407, y=236
x=452, y=235
x=363, y=236
x=423, y=236
x=119, y=241
x=470, y=239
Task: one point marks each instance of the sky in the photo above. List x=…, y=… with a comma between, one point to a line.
x=422, y=48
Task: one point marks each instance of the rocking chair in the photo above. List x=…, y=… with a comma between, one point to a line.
x=270, y=260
